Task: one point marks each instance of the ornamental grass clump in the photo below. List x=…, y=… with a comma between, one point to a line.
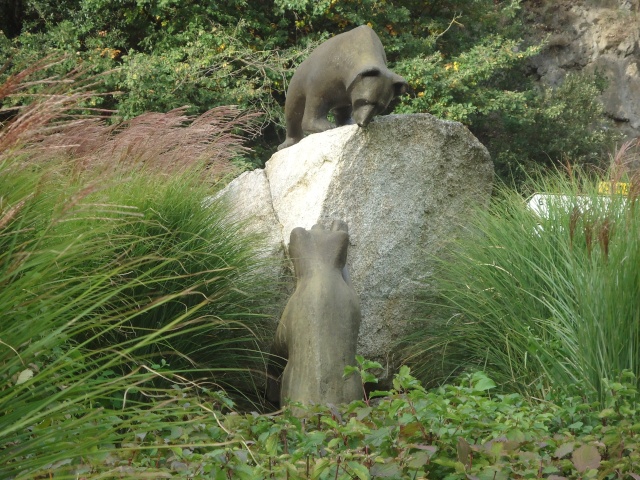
x=545, y=300
x=52, y=118
x=119, y=290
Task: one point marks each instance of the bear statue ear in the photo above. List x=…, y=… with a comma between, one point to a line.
x=371, y=71
x=400, y=86
x=339, y=225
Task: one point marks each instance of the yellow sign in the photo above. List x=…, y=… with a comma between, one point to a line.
x=619, y=188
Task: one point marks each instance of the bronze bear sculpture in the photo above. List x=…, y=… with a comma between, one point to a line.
x=318, y=332
x=346, y=75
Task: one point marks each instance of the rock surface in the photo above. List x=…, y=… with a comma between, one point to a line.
x=404, y=185
x=602, y=36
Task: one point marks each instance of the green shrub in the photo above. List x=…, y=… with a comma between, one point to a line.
x=541, y=303
x=466, y=61
x=547, y=126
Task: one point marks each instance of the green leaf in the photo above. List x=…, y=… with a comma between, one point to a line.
x=410, y=429
x=576, y=425
x=464, y=452
x=320, y=466
x=418, y=460
x=516, y=435
x=564, y=449
x=379, y=393
x=369, y=377
x=349, y=370
x=244, y=472
x=363, y=412
x=586, y=458
x=378, y=437
x=24, y=376
x=271, y=445
x=360, y=470
x=446, y=462
x=386, y=470
x=607, y=413
x=481, y=382
x=176, y=432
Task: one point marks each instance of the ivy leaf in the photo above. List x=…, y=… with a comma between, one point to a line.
x=586, y=458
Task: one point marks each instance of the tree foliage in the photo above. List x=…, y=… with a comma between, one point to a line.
x=464, y=60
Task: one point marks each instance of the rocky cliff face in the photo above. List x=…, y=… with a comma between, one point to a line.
x=592, y=35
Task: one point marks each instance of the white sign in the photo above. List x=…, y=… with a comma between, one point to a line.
x=540, y=202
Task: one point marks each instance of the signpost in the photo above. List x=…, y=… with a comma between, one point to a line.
x=540, y=202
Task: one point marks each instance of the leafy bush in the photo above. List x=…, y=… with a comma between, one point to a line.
x=546, y=127
x=466, y=61
x=542, y=302
x=455, y=432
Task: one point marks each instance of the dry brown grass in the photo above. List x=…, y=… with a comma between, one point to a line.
x=55, y=121
x=625, y=166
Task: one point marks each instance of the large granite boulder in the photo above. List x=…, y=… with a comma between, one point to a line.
x=404, y=185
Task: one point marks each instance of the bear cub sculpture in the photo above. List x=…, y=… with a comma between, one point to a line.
x=346, y=75
x=318, y=332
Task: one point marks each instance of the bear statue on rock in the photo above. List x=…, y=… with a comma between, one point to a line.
x=346, y=75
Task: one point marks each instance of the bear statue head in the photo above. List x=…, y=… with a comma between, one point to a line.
x=372, y=90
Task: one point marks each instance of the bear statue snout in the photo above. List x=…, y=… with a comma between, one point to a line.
x=364, y=115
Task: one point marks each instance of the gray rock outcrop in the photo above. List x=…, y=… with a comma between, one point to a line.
x=404, y=185
x=602, y=36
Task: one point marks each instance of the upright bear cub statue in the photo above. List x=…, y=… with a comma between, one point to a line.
x=318, y=331
x=346, y=75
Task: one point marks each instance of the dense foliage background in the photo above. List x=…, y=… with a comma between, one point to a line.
x=466, y=61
